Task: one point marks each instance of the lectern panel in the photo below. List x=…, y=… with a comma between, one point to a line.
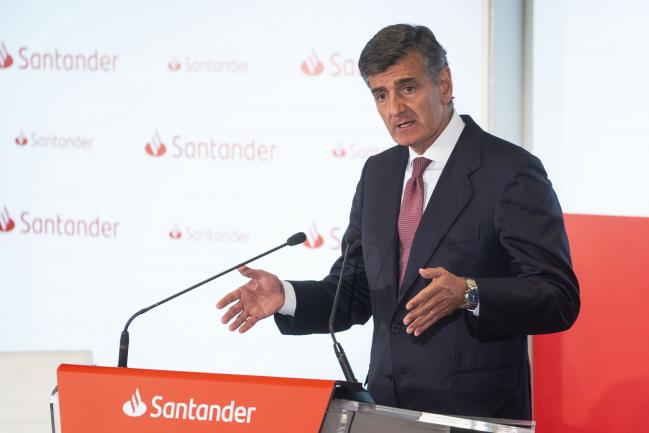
x=108, y=400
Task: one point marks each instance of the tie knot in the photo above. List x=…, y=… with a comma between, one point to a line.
x=419, y=166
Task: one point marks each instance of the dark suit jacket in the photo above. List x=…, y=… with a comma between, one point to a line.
x=493, y=216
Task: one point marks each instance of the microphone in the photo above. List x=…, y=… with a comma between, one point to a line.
x=353, y=241
x=295, y=239
x=351, y=389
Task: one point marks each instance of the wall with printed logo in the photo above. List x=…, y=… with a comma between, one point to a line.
x=146, y=146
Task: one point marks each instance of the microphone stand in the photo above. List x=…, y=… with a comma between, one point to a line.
x=350, y=389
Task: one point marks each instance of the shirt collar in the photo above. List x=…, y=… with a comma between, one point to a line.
x=441, y=149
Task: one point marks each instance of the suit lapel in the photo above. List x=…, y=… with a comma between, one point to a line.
x=451, y=195
x=386, y=215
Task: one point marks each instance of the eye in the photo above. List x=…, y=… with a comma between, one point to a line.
x=409, y=90
x=379, y=97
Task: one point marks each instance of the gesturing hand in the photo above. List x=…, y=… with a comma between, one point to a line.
x=259, y=298
x=437, y=300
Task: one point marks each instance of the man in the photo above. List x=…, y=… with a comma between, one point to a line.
x=464, y=251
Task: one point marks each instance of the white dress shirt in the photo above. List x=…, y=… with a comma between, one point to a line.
x=438, y=153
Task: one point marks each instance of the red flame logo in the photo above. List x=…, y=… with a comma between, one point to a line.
x=339, y=151
x=5, y=58
x=312, y=65
x=21, y=140
x=6, y=223
x=175, y=233
x=173, y=65
x=156, y=147
x=313, y=239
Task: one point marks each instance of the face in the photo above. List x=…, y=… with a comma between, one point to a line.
x=414, y=109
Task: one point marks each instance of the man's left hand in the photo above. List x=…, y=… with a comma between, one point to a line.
x=441, y=297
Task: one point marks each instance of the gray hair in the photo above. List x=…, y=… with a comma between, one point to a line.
x=393, y=42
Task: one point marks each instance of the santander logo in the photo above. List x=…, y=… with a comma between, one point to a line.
x=329, y=237
x=21, y=140
x=333, y=65
x=339, y=151
x=7, y=224
x=190, y=64
x=174, y=65
x=191, y=233
x=211, y=148
x=156, y=147
x=135, y=406
x=57, y=225
x=313, y=239
x=175, y=233
x=312, y=65
x=5, y=58
x=189, y=410
x=355, y=151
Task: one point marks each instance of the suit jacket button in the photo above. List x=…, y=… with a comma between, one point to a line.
x=388, y=376
x=396, y=328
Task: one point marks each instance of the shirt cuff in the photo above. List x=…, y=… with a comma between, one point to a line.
x=290, y=301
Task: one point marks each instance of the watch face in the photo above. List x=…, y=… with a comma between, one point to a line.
x=474, y=297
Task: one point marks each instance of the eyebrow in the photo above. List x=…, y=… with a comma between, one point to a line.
x=400, y=82
x=407, y=80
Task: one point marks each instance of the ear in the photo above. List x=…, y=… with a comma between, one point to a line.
x=445, y=85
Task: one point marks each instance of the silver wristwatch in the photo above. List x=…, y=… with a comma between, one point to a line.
x=471, y=294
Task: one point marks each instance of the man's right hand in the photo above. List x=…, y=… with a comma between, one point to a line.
x=259, y=298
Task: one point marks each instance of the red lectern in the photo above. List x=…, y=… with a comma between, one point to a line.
x=108, y=400
x=127, y=400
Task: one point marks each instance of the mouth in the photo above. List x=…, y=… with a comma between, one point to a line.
x=405, y=125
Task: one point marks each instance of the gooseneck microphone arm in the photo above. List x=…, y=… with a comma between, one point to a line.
x=296, y=239
x=353, y=241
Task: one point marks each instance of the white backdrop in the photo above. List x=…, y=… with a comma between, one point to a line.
x=265, y=124
x=590, y=103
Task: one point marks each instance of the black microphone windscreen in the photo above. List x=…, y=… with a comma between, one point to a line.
x=296, y=239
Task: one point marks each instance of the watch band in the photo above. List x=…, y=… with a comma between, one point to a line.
x=471, y=294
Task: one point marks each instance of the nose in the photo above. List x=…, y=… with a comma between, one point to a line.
x=395, y=105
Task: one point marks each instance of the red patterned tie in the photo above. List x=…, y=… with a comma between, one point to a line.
x=412, y=207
